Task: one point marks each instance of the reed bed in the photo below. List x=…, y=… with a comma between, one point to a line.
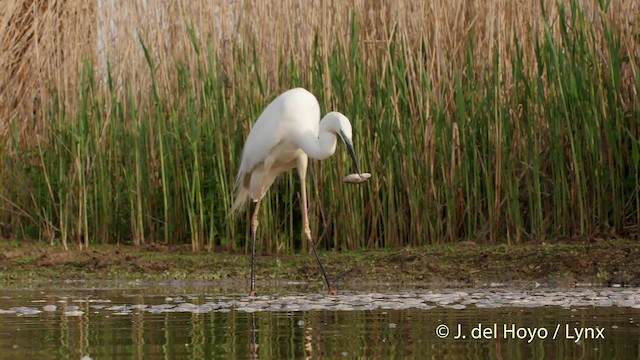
x=493, y=121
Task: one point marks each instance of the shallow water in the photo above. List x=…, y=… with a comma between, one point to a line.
x=134, y=320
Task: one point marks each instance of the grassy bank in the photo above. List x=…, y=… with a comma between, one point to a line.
x=563, y=264
x=473, y=131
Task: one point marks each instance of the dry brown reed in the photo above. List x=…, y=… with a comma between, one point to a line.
x=44, y=42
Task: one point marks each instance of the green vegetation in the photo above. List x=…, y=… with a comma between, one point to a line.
x=601, y=261
x=511, y=143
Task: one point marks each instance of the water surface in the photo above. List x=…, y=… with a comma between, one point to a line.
x=139, y=320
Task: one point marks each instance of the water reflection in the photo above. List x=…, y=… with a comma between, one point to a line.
x=126, y=323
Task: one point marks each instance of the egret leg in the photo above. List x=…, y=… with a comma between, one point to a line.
x=307, y=231
x=254, y=228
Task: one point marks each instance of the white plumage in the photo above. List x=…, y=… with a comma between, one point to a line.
x=286, y=134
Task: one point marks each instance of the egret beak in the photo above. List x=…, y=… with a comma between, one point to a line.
x=351, y=151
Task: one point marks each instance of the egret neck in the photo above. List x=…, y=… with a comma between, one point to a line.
x=324, y=145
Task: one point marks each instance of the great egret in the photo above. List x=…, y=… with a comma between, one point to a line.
x=286, y=134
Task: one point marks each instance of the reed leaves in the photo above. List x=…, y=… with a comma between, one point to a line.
x=534, y=138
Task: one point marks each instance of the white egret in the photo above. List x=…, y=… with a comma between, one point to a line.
x=286, y=134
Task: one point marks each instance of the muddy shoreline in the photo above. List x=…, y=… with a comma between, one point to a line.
x=597, y=262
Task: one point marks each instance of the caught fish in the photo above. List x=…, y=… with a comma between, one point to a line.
x=356, y=178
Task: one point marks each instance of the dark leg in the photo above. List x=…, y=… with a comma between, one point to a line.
x=307, y=231
x=331, y=291
x=254, y=228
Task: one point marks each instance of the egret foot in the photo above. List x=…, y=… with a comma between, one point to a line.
x=254, y=293
x=332, y=292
